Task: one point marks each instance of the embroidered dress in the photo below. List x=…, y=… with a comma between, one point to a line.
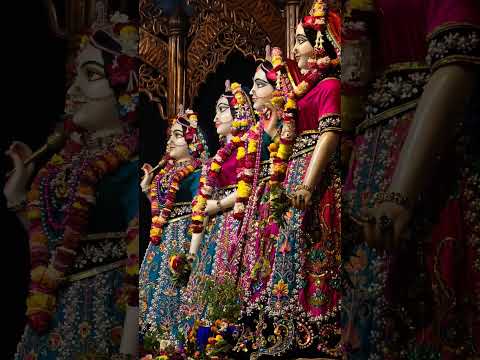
x=213, y=257
x=300, y=308
x=89, y=315
x=159, y=296
x=421, y=302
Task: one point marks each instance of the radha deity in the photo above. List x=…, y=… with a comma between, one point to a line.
x=216, y=208
x=301, y=307
x=79, y=206
x=170, y=194
x=258, y=232
x=411, y=195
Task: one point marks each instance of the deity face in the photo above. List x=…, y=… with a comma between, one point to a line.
x=90, y=99
x=223, y=118
x=177, y=146
x=302, y=50
x=262, y=90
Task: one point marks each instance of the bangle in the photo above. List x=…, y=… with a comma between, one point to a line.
x=393, y=197
x=305, y=187
x=18, y=207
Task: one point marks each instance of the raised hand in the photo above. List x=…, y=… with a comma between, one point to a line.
x=15, y=189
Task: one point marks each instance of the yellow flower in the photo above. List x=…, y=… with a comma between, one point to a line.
x=235, y=86
x=277, y=101
x=197, y=218
x=122, y=151
x=201, y=201
x=79, y=206
x=243, y=189
x=280, y=289
x=273, y=147
x=252, y=147
x=291, y=104
x=240, y=98
x=125, y=99
x=236, y=139
x=219, y=337
x=40, y=301
x=128, y=30
x=276, y=60
x=283, y=152
x=56, y=160
x=240, y=153
x=37, y=273
x=155, y=232
x=215, y=167
x=38, y=237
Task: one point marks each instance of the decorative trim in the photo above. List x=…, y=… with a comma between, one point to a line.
x=95, y=271
x=105, y=236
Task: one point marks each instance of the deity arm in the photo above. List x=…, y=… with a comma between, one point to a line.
x=324, y=150
x=197, y=239
x=229, y=201
x=440, y=109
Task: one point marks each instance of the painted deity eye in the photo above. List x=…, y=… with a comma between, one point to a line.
x=94, y=75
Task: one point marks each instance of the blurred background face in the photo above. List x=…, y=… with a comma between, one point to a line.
x=177, y=146
x=302, y=50
x=261, y=91
x=90, y=99
x=223, y=118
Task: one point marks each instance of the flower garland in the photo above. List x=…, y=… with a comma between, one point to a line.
x=160, y=216
x=247, y=160
x=208, y=180
x=47, y=272
x=180, y=268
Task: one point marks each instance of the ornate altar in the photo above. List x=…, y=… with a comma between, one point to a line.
x=182, y=44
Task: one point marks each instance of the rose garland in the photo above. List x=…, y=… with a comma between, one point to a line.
x=208, y=181
x=47, y=272
x=160, y=217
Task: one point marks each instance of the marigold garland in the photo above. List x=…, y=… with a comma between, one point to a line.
x=208, y=180
x=161, y=216
x=47, y=272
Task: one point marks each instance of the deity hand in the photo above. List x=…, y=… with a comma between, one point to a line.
x=147, y=176
x=211, y=208
x=302, y=197
x=15, y=189
x=271, y=124
x=385, y=226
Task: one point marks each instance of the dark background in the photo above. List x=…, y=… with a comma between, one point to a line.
x=33, y=64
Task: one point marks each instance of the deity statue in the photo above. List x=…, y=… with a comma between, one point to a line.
x=217, y=209
x=80, y=210
x=170, y=193
x=299, y=311
x=258, y=228
x=411, y=211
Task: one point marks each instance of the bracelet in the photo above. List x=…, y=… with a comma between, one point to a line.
x=393, y=197
x=20, y=206
x=305, y=187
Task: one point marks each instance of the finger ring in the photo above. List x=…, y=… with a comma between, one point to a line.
x=385, y=223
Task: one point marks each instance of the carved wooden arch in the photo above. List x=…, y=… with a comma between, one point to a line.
x=218, y=27
x=153, y=50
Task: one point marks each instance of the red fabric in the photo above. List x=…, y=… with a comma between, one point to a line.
x=323, y=99
x=404, y=25
x=228, y=173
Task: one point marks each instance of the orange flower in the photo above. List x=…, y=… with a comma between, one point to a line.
x=280, y=289
x=84, y=329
